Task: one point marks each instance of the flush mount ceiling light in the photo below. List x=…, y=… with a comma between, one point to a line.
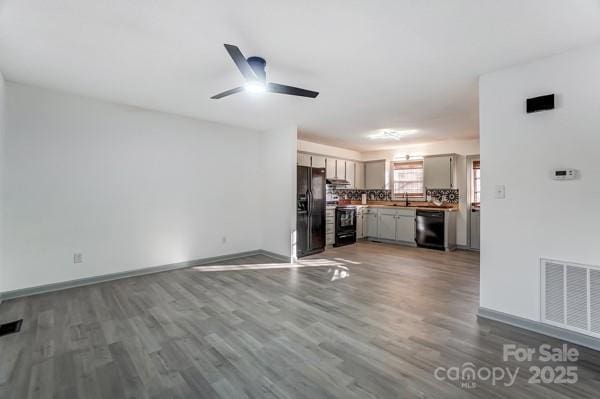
x=391, y=134
x=407, y=157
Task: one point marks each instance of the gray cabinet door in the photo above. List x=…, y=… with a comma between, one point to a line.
x=318, y=161
x=372, y=222
x=438, y=171
x=341, y=169
x=475, y=220
x=375, y=175
x=350, y=173
x=387, y=225
x=303, y=159
x=405, y=228
x=359, y=225
x=359, y=175
x=330, y=168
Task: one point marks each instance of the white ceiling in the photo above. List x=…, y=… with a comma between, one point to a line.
x=402, y=64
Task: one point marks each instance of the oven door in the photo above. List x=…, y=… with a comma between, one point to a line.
x=345, y=220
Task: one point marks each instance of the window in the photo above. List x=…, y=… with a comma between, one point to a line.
x=476, y=182
x=408, y=178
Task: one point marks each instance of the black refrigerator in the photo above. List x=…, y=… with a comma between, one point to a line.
x=310, y=221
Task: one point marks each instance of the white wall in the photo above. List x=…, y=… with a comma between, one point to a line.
x=322, y=149
x=539, y=217
x=128, y=188
x=2, y=132
x=461, y=147
x=278, y=173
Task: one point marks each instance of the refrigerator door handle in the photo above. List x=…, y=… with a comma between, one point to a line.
x=309, y=202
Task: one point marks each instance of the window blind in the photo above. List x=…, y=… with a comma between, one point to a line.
x=408, y=178
x=407, y=165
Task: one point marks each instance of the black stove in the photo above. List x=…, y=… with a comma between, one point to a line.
x=345, y=225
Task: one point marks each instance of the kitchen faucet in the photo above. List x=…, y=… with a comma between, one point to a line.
x=406, y=198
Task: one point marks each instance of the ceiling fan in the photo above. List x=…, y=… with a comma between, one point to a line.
x=253, y=70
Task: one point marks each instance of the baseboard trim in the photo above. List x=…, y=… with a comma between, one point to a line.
x=540, y=328
x=41, y=289
x=282, y=258
x=385, y=241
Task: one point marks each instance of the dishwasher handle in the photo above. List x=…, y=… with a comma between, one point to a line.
x=431, y=214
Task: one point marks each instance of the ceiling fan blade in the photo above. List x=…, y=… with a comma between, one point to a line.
x=227, y=93
x=240, y=61
x=294, y=91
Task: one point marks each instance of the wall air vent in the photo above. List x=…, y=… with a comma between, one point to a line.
x=541, y=103
x=571, y=296
x=10, y=328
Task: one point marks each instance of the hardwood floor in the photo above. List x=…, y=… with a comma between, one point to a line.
x=364, y=321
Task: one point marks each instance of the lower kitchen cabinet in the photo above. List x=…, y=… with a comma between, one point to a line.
x=405, y=228
x=397, y=225
x=387, y=224
x=330, y=226
x=372, y=222
x=360, y=217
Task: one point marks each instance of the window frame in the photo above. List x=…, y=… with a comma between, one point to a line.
x=398, y=195
x=476, y=178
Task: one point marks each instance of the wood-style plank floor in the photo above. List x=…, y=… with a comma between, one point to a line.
x=364, y=321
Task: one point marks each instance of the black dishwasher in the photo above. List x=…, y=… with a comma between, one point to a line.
x=430, y=229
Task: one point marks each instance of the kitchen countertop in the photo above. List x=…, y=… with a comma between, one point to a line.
x=400, y=205
x=416, y=207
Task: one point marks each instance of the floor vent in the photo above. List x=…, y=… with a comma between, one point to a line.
x=12, y=327
x=571, y=296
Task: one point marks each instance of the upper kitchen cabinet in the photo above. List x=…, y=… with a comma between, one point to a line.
x=376, y=174
x=350, y=173
x=303, y=159
x=331, y=168
x=340, y=169
x=359, y=175
x=318, y=161
x=439, y=171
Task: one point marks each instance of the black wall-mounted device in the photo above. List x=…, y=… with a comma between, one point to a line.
x=541, y=103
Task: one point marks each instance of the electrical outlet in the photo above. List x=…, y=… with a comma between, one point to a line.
x=223, y=240
x=78, y=258
x=500, y=192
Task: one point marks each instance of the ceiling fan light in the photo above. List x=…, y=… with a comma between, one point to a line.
x=254, y=86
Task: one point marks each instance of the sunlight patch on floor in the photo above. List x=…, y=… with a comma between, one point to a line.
x=352, y=262
x=266, y=266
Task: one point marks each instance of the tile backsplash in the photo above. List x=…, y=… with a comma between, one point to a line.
x=373, y=195
x=448, y=195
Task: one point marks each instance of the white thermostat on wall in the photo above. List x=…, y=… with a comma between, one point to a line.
x=564, y=174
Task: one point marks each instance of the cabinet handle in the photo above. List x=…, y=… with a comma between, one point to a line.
x=451, y=173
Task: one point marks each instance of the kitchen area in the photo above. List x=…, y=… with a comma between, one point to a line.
x=413, y=201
